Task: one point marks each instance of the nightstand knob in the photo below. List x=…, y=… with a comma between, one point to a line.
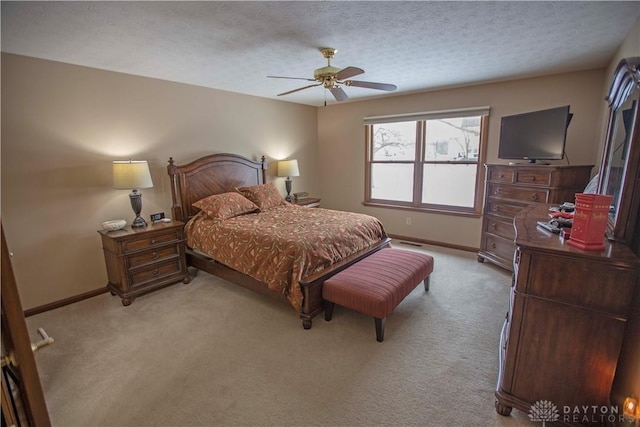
x=155, y=255
x=156, y=272
x=153, y=241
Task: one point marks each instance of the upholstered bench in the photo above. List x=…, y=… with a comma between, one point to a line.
x=377, y=284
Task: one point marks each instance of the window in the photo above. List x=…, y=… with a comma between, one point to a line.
x=427, y=161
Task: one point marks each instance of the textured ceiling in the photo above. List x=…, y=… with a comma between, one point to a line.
x=234, y=45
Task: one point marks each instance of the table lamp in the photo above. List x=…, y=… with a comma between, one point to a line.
x=288, y=168
x=131, y=175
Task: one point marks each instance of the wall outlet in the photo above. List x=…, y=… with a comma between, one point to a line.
x=408, y=220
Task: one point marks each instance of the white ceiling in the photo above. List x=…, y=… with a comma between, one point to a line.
x=233, y=46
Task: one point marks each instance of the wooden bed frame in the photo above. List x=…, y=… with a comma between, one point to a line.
x=220, y=173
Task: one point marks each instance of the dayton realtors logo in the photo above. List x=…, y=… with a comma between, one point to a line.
x=545, y=410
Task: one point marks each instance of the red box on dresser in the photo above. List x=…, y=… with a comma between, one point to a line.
x=590, y=221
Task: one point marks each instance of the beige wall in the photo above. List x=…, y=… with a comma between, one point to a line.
x=62, y=125
x=341, y=143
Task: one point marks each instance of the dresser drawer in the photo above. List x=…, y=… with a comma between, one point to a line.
x=501, y=175
x=156, y=272
x=499, y=247
x=610, y=288
x=146, y=241
x=528, y=194
x=157, y=255
x=500, y=227
x=503, y=208
x=534, y=177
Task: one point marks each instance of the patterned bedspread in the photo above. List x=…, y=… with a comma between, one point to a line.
x=282, y=245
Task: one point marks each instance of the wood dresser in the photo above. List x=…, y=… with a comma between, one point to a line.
x=509, y=188
x=143, y=259
x=566, y=322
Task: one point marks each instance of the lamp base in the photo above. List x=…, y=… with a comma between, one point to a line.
x=136, y=205
x=138, y=222
x=287, y=184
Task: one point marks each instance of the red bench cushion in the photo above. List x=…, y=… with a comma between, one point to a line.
x=377, y=284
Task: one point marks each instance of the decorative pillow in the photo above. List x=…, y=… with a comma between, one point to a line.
x=265, y=196
x=225, y=205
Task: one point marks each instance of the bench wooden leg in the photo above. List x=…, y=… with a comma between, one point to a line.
x=426, y=283
x=328, y=310
x=379, y=329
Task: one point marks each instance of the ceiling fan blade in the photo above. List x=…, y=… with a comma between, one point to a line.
x=293, y=78
x=371, y=85
x=338, y=93
x=296, y=90
x=345, y=73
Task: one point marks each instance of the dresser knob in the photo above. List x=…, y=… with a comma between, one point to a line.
x=496, y=208
x=156, y=272
x=534, y=197
x=533, y=178
x=153, y=241
x=156, y=255
x=494, y=226
x=498, y=191
x=493, y=246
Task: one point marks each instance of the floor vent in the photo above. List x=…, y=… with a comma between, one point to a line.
x=411, y=244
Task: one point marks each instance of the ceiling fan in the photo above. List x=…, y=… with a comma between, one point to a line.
x=334, y=78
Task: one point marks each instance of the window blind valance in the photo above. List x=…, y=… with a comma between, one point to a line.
x=430, y=115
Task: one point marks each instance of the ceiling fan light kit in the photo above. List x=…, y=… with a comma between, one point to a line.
x=332, y=78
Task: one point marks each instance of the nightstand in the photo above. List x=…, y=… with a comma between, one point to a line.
x=140, y=260
x=309, y=202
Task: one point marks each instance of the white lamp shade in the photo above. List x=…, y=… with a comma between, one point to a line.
x=128, y=175
x=288, y=168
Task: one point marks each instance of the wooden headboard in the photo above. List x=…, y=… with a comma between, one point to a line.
x=212, y=174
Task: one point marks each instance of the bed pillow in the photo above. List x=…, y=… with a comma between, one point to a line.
x=225, y=205
x=265, y=196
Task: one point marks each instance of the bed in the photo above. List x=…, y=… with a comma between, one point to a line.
x=220, y=174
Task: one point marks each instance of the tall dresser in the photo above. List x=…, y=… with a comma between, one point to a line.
x=510, y=188
x=566, y=323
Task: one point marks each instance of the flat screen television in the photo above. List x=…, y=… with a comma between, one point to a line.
x=534, y=136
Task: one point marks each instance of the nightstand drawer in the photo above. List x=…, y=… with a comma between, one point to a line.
x=539, y=195
x=158, y=255
x=147, y=241
x=156, y=272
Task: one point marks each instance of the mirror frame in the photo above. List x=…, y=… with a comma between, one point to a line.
x=625, y=84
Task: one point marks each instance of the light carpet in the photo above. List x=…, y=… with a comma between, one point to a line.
x=211, y=353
